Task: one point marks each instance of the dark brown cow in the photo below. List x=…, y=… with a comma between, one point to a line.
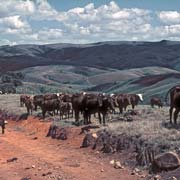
x=77, y=104
x=174, y=102
x=2, y=124
x=29, y=105
x=37, y=101
x=97, y=104
x=50, y=96
x=123, y=101
x=23, y=98
x=66, y=97
x=49, y=105
x=65, y=109
x=156, y=101
x=135, y=98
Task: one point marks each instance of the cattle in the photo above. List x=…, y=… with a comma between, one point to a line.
x=135, y=98
x=23, y=98
x=29, y=105
x=156, y=101
x=3, y=122
x=51, y=96
x=37, y=101
x=65, y=109
x=174, y=102
x=77, y=104
x=66, y=97
x=123, y=100
x=49, y=105
x=97, y=104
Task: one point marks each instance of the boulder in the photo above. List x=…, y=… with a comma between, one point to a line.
x=166, y=161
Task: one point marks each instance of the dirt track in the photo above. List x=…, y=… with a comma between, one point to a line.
x=44, y=158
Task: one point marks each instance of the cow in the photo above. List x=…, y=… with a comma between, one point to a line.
x=37, y=101
x=156, y=101
x=77, y=104
x=3, y=122
x=29, y=105
x=23, y=98
x=123, y=100
x=97, y=104
x=174, y=102
x=65, y=108
x=135, y=98
x=49, y=105
x=51, y=96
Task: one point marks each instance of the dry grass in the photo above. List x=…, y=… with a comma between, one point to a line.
x=151, y=125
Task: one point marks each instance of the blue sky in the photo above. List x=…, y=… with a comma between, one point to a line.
x=85, y=21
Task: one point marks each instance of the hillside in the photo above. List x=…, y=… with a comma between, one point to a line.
x=118, y=55
x=63, y=78
x=112, y=67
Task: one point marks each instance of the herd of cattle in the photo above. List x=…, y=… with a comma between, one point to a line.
x=88, y=104
x=74, y=104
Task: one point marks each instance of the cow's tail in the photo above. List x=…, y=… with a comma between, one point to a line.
x=166, y=97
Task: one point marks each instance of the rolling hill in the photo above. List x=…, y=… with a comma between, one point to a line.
x=148, y=67
x=118, y=55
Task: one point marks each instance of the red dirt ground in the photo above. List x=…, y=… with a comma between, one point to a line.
x=41, y=158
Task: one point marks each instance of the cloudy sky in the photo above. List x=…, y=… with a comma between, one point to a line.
x=85, y=21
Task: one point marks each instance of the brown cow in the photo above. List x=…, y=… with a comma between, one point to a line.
x=37, y=101
x=135, y=98
x=77, y=104
x=156, y=101
x=97, y=104
x=123, y=101
x=23, y=98
x=49, y=105
x=50, y=96
x=29, y=105
x=65, y=108
x=2, y=124
x=174, y=102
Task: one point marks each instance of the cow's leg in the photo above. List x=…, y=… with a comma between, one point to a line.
x=35, y=107
x=43, y=113
x=3, y=127
x=120, y=110
x=170, y=113
x=76, y=115
x=133, y=106
x=104, y=119
x=60, y=114
x=176, y=115
x=99, y=117
x=27, y=110
x=86, y=115
x=21, y=103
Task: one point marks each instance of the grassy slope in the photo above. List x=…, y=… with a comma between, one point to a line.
x=75, y=78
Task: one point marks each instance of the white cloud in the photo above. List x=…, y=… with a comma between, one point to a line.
x=19, y=19
x=16, y=7
x=169, y=16
x=13, y=22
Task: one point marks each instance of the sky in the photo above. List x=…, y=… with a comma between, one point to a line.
x=85, y=21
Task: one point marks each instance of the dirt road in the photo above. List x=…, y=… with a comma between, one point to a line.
x=41, y=158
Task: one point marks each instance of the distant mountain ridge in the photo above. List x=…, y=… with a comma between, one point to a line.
x=119, y=55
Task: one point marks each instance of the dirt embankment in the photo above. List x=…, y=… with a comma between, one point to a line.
x=39, y=157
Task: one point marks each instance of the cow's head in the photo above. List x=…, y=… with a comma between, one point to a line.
x=108, y=103
x=140, y=97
